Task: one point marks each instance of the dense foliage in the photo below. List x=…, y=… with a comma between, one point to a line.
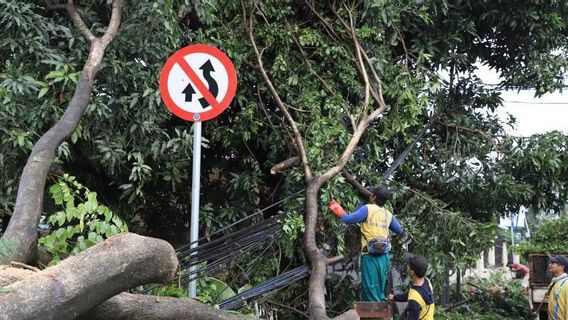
x=137, y=157
x=491, y=299
x=80, y=221
x=549, y=237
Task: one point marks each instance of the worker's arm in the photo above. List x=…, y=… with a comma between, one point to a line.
x=357, y=216
x=395, y=226
x=525, y=269
x=401, y=297
x=412, y=311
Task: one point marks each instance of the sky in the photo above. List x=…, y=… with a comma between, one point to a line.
x=534, y=115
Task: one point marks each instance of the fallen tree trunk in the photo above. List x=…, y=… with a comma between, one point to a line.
x=9, y=275
x=133, y=306
x=127, y=306
x=81, y=282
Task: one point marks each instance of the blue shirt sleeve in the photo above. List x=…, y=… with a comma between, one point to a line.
x=357, y=216
x=401, y=297
x=395, y=226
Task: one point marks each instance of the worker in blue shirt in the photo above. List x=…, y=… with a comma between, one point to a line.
x=376, y=221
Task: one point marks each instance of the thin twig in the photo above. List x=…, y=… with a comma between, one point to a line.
x=379, y=99
x=278, y=100
x=23, y=266
x=305, y=315
x=360, y=63
x=305, y=57
x=406, y=54
x=484, y=134
x=377, y=96
x=330, y=30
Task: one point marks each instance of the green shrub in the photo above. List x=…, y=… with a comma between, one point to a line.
x=550, y=237
x=81, y=223
x=483, y=304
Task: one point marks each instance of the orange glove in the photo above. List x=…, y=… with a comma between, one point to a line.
x=336, y=208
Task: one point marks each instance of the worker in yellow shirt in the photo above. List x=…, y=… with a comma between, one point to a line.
x=558, y=292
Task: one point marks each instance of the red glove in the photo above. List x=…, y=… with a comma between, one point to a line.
x=336, y=208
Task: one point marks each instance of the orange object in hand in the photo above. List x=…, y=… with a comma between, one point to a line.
x=336, y=208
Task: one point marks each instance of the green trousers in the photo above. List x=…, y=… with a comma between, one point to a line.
x=374, y=272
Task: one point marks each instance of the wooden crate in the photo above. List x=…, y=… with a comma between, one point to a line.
x=366, y=309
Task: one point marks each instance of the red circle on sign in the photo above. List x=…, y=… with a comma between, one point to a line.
x=217, y=106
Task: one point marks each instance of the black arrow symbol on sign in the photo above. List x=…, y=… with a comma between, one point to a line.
x=189, y=91
x=207, y=68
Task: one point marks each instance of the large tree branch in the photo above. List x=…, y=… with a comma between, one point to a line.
x=127, y=306
x=364, y=192
x=286, y=164
x=21, y=232
x=114, y=23
x=297, y=135
x=81, y=282
x=78, y=21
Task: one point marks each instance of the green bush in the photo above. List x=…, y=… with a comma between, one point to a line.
x=550, y=237
x=81, y=223
x=484, y=304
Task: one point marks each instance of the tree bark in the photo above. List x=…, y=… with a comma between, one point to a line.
x=286, y=164
x=318, y=261
x=363, y=192
x=127, y=306
x=9, y=275
x=133, y=306
x=81, y=282
x=21, y=233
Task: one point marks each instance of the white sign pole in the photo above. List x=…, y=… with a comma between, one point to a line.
x=195, y=179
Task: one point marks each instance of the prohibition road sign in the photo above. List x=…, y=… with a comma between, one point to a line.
x=198, y=82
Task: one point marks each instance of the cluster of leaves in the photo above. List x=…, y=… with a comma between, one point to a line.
x=549, y=237
x=491, y=299
x=449, y=239
x=81, y=223
x=7, y=248
x=210, y=290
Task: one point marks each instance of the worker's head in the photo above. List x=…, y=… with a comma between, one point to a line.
x=558, y=265
x=416, y=266
x=380, y=195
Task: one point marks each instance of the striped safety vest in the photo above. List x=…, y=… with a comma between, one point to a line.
x=558, y=300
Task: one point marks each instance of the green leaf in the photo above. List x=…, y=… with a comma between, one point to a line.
x=5, y=290
x=42, y=92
